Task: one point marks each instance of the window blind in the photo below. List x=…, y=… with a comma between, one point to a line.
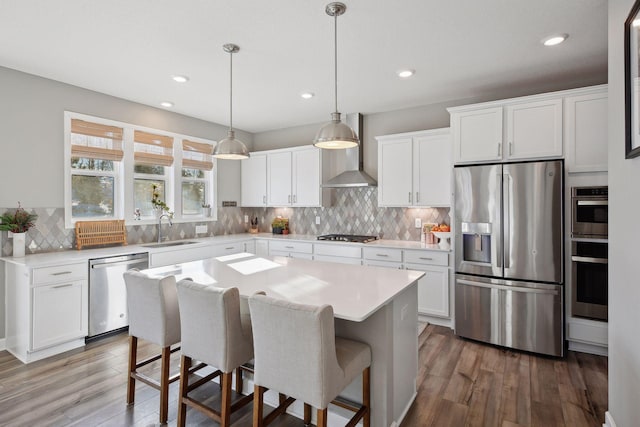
x=152, y=149
x=96, y=141
x=196, y=155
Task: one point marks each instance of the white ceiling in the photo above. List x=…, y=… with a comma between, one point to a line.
x=459, y=48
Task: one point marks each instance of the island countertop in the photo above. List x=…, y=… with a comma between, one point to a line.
x=355, y=292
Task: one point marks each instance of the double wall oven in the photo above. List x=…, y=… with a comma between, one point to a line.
x=589, y=248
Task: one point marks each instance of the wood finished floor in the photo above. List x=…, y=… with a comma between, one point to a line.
x=460, y=383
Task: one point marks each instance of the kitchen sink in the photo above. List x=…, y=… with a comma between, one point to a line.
x=168, y=244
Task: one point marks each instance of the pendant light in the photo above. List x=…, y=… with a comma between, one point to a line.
x=230, y=147
x=335, y=134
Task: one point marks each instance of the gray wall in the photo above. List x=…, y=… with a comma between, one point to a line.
x=32, y=135
x=624, y=235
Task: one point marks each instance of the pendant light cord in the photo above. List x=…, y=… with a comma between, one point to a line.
x=335, y=59
x=230, y=91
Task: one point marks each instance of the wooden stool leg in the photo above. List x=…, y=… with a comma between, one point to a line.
x=307, y=414
x=258, y=393
x=185, y=364
x=164, y=384
x=322, y=418
x=225, y=411
x=131, y=382
x=366, y=396
x=281, y=398
x=238, y=380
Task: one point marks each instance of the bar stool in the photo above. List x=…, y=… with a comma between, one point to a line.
x=298, y=355
x=216, y=331
x=152, y=304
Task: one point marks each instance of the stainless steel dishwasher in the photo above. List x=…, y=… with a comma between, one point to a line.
x=107, y=291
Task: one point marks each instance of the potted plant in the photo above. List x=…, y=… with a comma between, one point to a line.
x=160, y=206
x=279, y=224
x=18, y=222
x=206, y=210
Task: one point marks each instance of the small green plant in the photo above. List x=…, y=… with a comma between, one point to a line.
x=18, y=222
x=157, y=202
x=280, y=223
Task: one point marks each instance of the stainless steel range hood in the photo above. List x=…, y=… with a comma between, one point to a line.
x=354, y=175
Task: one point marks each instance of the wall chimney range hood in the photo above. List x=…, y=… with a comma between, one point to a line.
x=354, y=175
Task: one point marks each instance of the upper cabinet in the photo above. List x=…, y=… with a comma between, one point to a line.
x=571, y=123
x=585, y=130
x=523, y=129
x=253, y=181
x=415, y=169
x=283, y=177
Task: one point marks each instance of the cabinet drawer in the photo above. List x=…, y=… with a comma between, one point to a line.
x=338, y=259
x=382, y=254
x=60, y=273
x=160, y=259
x=385, y=264
x=427, y=257
x=227, y=249
x=301, y=247
x=338, y=250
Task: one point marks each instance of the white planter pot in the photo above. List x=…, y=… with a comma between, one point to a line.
x=18, y=244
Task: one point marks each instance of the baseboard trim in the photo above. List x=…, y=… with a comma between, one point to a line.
x=608, y=420
x=588, y=348
x=440, y=321
x=3, y=344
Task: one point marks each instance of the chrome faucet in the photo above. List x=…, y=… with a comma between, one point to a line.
x=164, y=215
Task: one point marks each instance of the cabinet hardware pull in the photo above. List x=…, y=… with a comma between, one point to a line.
x=264, y=199
x=384, y=255
x=426, y=259
x=295, y=198
x=417, y=197
x=63, y=286
x=229, y=248
x=289, y=198
x=60, y=273
x=510, y=148
x=409, y=196
x=499, y=149
x=289, y=247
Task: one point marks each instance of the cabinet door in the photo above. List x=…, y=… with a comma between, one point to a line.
x=254, y=180
x=394, y=172
x=279, y=179
x=60, y=313
x=432, y=170
x=586, y=136
x=534, y=130
x=477, y=135
x=306, y=177
x=433, y=290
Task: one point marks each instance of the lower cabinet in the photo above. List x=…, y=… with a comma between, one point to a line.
x=59, y=313
x=301, y=250
x=433, y=290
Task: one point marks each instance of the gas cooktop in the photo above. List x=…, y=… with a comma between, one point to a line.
x=347, y=238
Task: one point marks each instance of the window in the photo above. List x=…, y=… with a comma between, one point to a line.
x=111, y=168
x=95, y=163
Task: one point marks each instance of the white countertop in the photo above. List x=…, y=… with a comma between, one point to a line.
x=355, y=292
x=70, y=256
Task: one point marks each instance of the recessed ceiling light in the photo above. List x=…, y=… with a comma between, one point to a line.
x=181, y=79
x=405, y=74
x=166, y=104
x=555, y=39
x=307, y=95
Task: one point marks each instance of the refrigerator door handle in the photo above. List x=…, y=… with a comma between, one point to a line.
x=508, y=288
x=497, y=230
x=506, y=221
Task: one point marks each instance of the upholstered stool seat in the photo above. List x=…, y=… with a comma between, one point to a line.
x=298, y=355
x=216, y=330
x=152, y=306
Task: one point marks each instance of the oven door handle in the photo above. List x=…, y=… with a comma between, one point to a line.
x=593, y=202
x=590, y=260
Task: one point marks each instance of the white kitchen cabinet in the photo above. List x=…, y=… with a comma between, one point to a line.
x=534, y=130
x=414, y=169
x=477, y=135
x=524, y=128
x=176, y=255
x=302, y=250
x=585, y=127
x=382, y=257
x=59, y=313
x=223, y=249
x=335, y=252
x=434, y=287
x=46, y=309
x=253, y=182
x=294, y=177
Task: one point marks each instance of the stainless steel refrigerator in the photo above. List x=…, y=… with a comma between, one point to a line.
x=509, y=255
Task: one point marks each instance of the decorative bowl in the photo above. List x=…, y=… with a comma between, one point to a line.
x=444, y=237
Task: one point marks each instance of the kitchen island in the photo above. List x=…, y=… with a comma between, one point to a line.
x=374, y=305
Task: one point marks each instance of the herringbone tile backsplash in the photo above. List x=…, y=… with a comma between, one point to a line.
x=352, y=211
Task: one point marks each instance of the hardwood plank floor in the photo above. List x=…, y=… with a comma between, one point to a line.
x=460, y=383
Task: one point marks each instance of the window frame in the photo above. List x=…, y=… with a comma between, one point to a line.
x=125, y=176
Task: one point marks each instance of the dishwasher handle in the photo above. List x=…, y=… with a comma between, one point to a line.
x=111, y=264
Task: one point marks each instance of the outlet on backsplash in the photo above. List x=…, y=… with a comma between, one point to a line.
x=201, y=229
x=417, y=223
